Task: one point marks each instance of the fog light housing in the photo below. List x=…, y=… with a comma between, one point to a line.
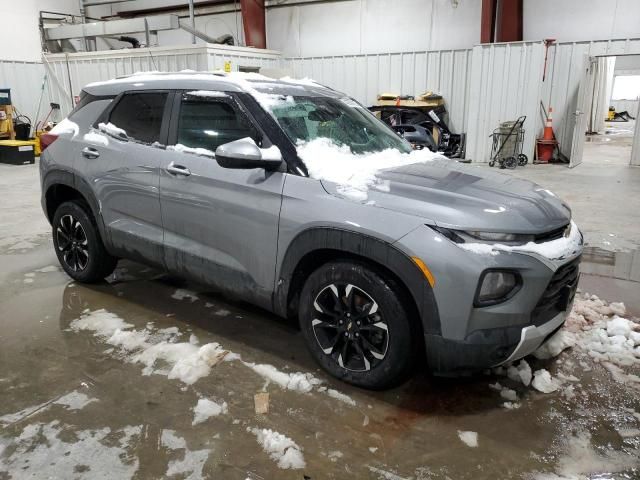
x=497, y=286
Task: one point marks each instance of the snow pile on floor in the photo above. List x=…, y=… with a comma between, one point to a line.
x=206, y=409
x=280, y=448
x=297, y=381
x=470, y=439
x=75, y=400
x=182, y=293
x=48, y=451
x=543, y=382
x=607, y=337
x=158, y=351
x=593, y=327
x=354, y=173
x=192, y=462
x=338, y=395
x=581, y=460
x=561, y=248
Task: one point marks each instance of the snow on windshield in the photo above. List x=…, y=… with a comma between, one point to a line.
x=354, y=173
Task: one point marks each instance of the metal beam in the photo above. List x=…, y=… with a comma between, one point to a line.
x=488, y=21
x=509, y=21
x=253, y=19
x=113, y=27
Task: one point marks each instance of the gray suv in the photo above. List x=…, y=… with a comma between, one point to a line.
x=201, y=175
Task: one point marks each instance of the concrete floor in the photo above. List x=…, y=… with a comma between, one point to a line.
x=71, y=407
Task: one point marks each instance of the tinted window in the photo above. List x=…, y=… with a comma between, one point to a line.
x=86, y=99
x=140, y=115
x=208, y=124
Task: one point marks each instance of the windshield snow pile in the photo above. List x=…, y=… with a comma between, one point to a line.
x=354, y=174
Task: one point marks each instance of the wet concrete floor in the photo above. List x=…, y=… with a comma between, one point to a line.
x=140, y=426
x=72, y=406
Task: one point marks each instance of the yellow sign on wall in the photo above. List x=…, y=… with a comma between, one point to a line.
x=227, y=66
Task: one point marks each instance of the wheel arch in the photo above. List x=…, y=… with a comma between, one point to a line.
x=60, y=186
x=317, y=246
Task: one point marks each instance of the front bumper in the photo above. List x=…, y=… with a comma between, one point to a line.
x=474, y=338
x=489, y=349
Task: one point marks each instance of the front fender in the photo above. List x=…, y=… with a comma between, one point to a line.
x=369, y=248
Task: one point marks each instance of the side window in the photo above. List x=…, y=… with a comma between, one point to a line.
x=207, y=123
x=140, y=115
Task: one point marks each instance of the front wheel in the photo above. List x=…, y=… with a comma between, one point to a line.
x=355, y=325
x=78, y=244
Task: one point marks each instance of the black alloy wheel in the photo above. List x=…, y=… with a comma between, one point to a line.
x=72, y=243
x=349, y=327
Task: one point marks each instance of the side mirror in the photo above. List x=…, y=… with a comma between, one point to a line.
x=245, y=154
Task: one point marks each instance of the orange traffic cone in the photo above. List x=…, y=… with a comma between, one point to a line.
x=548, y=127
x=547, y=144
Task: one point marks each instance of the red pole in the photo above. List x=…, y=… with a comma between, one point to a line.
x=487, y=21
x=253, y=19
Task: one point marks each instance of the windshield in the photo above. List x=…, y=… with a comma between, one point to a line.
x=343, y=121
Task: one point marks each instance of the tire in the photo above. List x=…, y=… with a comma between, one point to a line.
x=522, y=160
x=78, y=245
x=510, y=163
x=367, y=339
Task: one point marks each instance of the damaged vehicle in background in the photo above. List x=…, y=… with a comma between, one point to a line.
x=294, y=197
x=421, y=122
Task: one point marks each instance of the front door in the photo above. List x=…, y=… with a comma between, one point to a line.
x=122, y=162
x=220, y=224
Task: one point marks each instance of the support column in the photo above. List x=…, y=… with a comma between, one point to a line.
x=253, y=20
x=501, y=21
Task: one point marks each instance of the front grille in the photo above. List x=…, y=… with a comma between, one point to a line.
x=551, y=235
x=558, y=294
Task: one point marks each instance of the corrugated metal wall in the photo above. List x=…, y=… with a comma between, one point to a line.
x=25, y=81
x=365, y=76
x=89, y=67
x=563, y=78
x=505, y=84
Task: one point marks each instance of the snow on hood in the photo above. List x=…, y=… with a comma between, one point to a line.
x=558, y=249
x=355, y=173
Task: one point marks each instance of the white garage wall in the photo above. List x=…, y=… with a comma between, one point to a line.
x=505, y=84
x=25, y=81
x=579, y=20
x=372, y=26
x=365, y=76
x=87, y=67
x=19, y=33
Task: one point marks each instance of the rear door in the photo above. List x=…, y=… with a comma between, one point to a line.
x=124, y=172
x=220, y=224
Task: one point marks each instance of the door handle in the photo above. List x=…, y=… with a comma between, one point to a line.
x=89, y=152
x=178, y=169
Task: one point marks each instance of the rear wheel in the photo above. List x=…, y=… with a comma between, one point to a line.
x=78, y=244
x=355, y=325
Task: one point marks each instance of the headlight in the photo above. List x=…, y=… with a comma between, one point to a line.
x=461, y=236
x=496, y=286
